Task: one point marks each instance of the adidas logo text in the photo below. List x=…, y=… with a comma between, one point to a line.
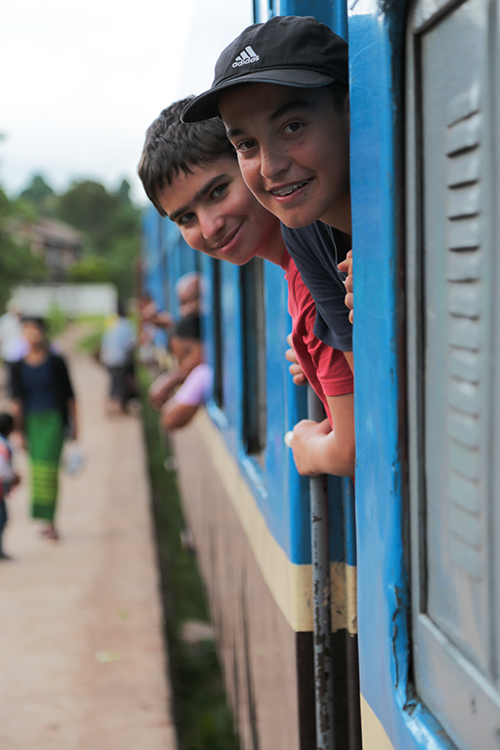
x=247, y=56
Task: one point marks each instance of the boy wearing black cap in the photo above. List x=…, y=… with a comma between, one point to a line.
x=281, y=89
x=190, y=174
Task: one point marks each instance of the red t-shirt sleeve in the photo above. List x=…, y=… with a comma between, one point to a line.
x=322, y=365
x=332, y=369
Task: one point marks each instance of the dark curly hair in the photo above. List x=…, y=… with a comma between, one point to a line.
x=173, y=146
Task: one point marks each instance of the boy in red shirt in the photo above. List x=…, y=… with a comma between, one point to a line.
x=190, y=173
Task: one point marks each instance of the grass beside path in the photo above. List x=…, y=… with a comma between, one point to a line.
x=202, y=716
x=92, y=329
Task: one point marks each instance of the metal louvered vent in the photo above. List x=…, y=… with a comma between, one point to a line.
x=463, y=138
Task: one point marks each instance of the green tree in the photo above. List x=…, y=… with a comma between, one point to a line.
x=40, y=195
x=111, y=223
x=122, y=259
x=104, y=216
x=123, y=193
x=17, y=263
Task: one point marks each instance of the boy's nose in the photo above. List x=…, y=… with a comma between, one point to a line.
x=211, y=225
x=273, y=163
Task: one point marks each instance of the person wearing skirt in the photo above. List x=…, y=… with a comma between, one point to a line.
x=45, y=411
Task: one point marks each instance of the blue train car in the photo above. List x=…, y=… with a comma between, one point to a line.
x=249, y=509
x=424, y=164
x=423, y=76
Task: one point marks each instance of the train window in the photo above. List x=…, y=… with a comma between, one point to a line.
x=254, y=357
x=453, y=279
x=218, y=342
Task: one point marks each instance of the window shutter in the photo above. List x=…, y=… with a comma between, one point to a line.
x=453, y=275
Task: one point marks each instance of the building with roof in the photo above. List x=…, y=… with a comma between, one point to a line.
x=57, y=242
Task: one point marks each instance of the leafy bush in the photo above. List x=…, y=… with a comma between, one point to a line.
x=90, y=343
x=91, y=270
x=56, y=320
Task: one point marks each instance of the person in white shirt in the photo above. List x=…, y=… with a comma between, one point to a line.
x=13, y=346
x=117, y=347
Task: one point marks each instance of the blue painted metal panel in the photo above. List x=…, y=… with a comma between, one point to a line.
x=280, y=493
x=154, y=263
x=180, y=260
x=376, y=36
x=208, y=327
x=206, y=270
x=151, y=253
x=333, y=13
x=382, y=582
x=169, y=237
x=232, y=359
x=288, y=492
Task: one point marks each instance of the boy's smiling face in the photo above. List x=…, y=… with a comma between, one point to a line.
x=293, y=151
x=216, y=212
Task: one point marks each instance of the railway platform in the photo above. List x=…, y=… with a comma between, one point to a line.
x=82, y=659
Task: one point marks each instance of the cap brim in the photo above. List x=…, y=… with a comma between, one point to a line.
x=206, y=105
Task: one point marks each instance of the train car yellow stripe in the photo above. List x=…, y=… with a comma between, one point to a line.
x=373, y=733
x=351, y=584
x=289, y=583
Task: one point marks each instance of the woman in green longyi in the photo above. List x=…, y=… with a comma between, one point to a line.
x=44, y=407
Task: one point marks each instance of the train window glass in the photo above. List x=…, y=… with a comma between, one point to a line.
x=218, y=342
x=254, y=357
x=454, y=364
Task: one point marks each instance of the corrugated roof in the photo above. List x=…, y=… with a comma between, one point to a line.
x=53, y=230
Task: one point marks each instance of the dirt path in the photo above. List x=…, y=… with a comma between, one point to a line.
x=82, y=662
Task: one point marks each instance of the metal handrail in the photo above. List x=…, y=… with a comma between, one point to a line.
x=322, y=630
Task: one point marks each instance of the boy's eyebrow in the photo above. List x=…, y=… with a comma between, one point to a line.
x=296, y=104
x=200, y=194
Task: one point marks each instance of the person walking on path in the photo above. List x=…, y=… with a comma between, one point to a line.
x=117, y=354
x=44, y=411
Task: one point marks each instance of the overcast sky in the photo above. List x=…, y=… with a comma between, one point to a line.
x=81, y=81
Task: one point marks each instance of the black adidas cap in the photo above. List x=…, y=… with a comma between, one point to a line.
x=288, y=50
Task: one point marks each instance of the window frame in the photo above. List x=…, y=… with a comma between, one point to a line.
x=254, y=357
